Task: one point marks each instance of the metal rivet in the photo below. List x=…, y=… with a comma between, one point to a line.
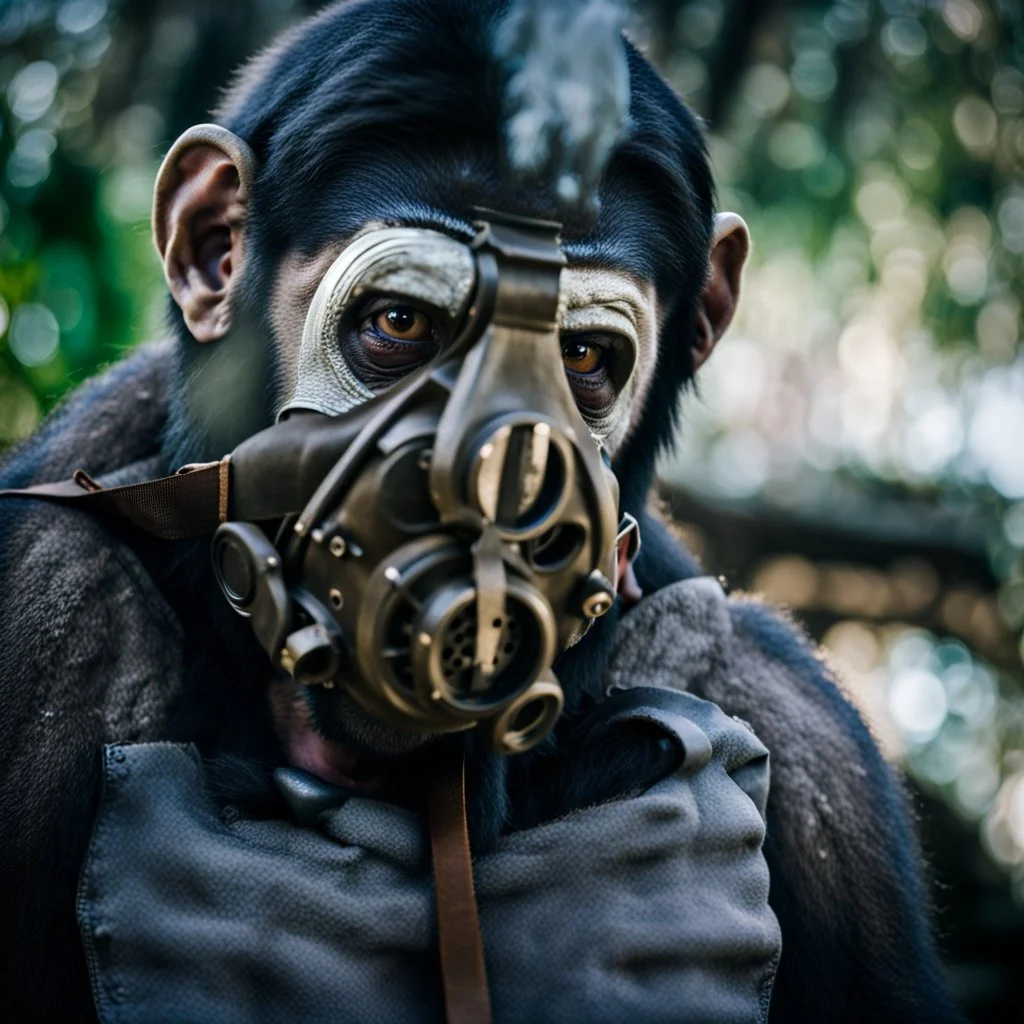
x=336, y=598
x=392, y=574
x=338, y=547
x=272, y=562
x=318, y=536
x=486, y=451
x=424, y=639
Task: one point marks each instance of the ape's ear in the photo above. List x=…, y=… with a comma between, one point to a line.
x=199, y=210
x=729, y=249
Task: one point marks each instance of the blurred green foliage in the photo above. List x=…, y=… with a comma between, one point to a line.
x=76, y=275
x=93, y=92
x=875, y=375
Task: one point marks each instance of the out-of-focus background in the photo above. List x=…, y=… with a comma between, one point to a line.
x=857, y=447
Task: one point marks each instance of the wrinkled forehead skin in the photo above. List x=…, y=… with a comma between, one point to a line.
x=435, y=269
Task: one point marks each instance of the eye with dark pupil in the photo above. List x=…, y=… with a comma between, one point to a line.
x=579, y=357
x=393, y=341
x=403, y=323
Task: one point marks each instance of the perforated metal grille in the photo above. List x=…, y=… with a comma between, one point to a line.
x=459, y=647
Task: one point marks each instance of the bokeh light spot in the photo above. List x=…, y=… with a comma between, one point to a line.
x=919, y=144
x=917, y=702
x=35, y=334
x=794, y=145
x=814, y=74
x=975, y=124
x=998, y=329
x=995, y=433
x=881, y=200
x=963, y=17
x=739, y=463
x=699, y=23
x=1011, y=220
x=76, y=17
x=19, y=412
x=904, y=38
x=32, y=90
x=1008, y=90
x=29, y=164
x=766, y=89
x=1013, y=524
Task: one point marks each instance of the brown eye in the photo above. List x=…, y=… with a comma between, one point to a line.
x=403, y=323
x=579, y=357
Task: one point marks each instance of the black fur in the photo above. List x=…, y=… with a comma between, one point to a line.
x=391, y=110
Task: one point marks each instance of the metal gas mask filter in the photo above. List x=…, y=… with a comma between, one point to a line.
x=438, y=545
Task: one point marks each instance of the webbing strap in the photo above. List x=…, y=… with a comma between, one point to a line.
x=463, y=972
x=190, y=503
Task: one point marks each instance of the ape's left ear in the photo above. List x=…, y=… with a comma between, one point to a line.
x=729, y=249
x=199, y=211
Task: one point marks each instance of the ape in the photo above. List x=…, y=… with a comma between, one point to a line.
x=391, y=113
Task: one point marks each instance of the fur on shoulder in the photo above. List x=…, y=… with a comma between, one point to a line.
x=89, y=653
x=112, y=420
x=845, y=866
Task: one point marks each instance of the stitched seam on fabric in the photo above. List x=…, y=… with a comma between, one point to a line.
x=106, y=1009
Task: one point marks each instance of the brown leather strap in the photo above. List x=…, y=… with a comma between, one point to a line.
x=463, y=973
x=190, y=503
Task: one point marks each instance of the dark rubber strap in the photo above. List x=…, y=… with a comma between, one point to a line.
x=463, y=972
x=192, y=502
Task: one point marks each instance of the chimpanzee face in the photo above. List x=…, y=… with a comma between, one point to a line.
x=399, y=312
x=258, y=227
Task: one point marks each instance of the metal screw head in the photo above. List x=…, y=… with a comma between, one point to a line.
x=338, y=547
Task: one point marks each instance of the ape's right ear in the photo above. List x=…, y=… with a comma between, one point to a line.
x=199, y=210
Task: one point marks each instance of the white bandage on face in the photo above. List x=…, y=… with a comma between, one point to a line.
x=600, y=300
x=427, y=268
x=422, y=266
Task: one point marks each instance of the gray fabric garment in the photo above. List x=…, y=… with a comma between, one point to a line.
x=647, y=909
x=653, y=908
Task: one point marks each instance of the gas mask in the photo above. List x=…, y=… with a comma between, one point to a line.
x=436, y=546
